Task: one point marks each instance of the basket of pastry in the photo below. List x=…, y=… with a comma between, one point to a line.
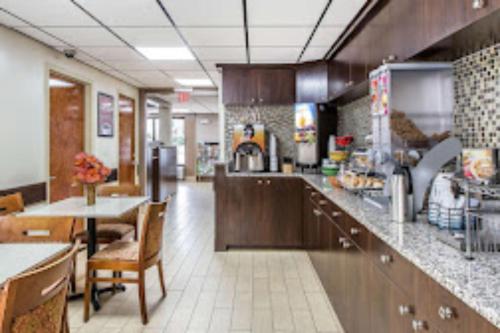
x=356, y=182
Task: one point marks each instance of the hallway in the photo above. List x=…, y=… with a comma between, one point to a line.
x=234, y=291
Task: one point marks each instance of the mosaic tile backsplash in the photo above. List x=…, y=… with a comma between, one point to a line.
x=477, y=98
x=278, y=120
x=355, y=119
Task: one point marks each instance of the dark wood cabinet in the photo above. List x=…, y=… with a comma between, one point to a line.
x=257, y=85
x=261, y=212
x=312, y=82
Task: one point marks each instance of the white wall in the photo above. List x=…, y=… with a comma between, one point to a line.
x=207, y=132
x=24, y=105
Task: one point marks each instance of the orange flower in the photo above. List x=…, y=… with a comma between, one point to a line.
x=89, y=169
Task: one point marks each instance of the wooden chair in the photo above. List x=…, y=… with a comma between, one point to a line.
x=15, y=229
x=35, y=301
x=110, y=230
x=124, y=256
x=12, y=203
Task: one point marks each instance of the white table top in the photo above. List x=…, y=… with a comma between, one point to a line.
x=20, y=257
x=105, y=207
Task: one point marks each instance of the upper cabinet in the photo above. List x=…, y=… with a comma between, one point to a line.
x=311, y=82
x=258, y=85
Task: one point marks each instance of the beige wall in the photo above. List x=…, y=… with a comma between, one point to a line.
x=24, y=105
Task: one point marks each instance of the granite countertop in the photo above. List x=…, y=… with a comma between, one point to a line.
x=476, y=282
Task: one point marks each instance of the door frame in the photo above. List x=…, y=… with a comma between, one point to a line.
x=87, y=107
x=137, y=139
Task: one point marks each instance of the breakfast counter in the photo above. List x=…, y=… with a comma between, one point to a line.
x=476, y=282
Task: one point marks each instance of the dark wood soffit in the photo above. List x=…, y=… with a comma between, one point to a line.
x=478, y=35
x=357, y=24
x=32, y=193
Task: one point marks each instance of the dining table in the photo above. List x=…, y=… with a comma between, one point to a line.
x=18, y=258
x=76, y=207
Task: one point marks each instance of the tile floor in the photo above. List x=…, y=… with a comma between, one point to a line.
x=234, y=291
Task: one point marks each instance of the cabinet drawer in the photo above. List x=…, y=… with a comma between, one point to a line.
x=447, y=313
x=398, y=269
x=358, y=233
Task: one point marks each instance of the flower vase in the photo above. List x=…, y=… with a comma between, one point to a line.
x=91, y=194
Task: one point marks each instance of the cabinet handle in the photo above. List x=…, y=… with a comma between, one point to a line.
x=261, y=100
x=355, y=231
x=268, y=182
x=445, y=312
x=385, y=258
x=317, y=212
x=322, y=202
x=259, y=182
x=308, y=187
x=342, y=240
x=336, y=214
x=252, y=100
x=346, y=244
x=404, y=310
x=418, y=325
x=313, y=194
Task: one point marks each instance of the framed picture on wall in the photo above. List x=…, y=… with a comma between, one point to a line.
x=105, y=115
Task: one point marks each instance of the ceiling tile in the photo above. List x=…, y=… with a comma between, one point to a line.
x=210, y=64
x=288, y=36
x=150, y=37
x=10, y=21
x=119, y=53
x=341, y=12
x=149, y=77
x=177, y=65
x=85, y=36
x=205, y=12
x=228, y=53
x=126, y=12
x=126, y=78
x=326, y=36
x=49, y=12
x=274, y=54
x=284, y=12
x=214, y=36
x=314, y=53
x=134, y=65
x=40, y=36
x=99, y=65
x=188, y=75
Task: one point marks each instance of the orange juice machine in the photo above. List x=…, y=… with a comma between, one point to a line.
x=249, y=147
x=314, y=123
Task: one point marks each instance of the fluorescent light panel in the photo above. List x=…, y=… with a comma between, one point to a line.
x=195, y=82
x=166, y=53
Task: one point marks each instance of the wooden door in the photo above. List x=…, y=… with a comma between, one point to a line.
x=67, y=126
x=126, y=171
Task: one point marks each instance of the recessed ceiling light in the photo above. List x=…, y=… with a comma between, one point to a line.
x=195, y=82
x=175, y=110
x=166, y=53
x=56, y=83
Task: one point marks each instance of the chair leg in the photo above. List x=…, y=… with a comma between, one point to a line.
x=86, y=298
x=162, y=281
x=72, y=278
x=142, y=297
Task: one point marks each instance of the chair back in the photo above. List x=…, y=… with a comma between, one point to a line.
x=36, y=301
x=14, y=229
x=12, y=203
x=151, y=240
x=122, y=190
